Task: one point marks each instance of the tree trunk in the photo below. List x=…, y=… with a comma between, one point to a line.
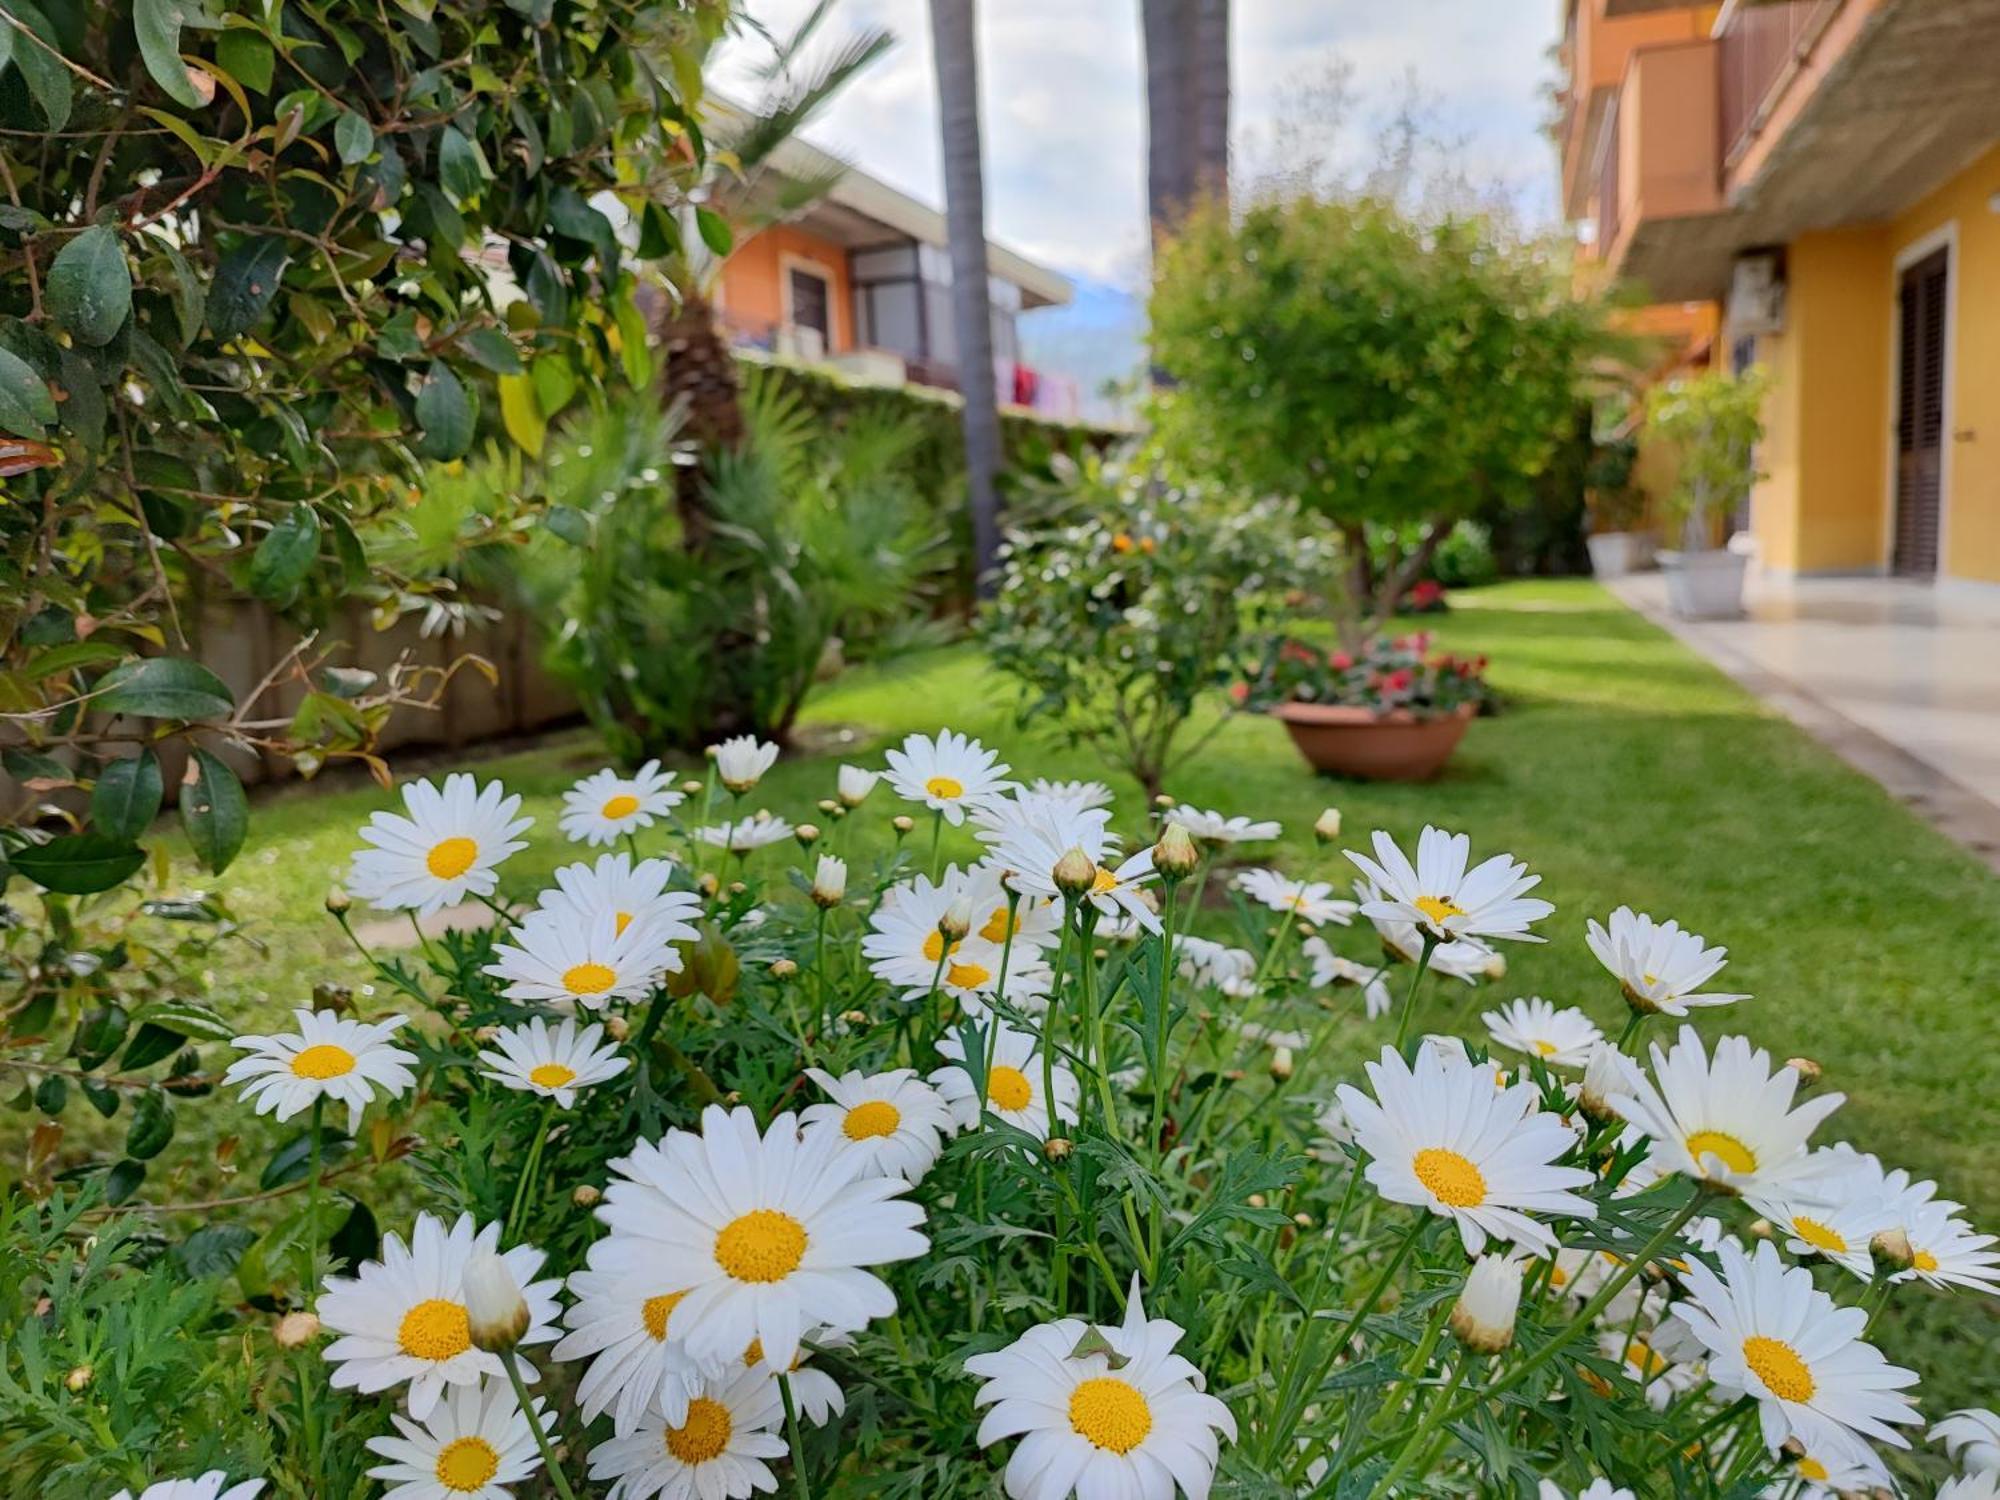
x=1169, y=181
x=1208, y=99
x=955, y=50
x=698, y=374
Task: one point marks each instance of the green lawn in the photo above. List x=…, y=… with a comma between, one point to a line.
x=1624, y=769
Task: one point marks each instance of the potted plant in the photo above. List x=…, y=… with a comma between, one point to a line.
x=1713, y=422
x=1395, y=373
x=1393, y=711
x=1616, y=541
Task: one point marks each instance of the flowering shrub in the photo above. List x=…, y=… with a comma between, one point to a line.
x=749, y=1156
x=1389, y=674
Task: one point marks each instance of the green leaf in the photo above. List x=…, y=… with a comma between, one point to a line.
x=150, y=1044
x=158, y=24
x=286, y=555
x=715, y=231
x=127, y=796
x=42, y=68
x=353, y=138
x=52, y=1094
x=461, y=167
x=31, y=765
x=492, y=350
x=568, y=523
x=185, y=1018
x=245, y=282
x=214, y=1249
x=445, y=413
x=80, y=864
x=164, y=687
x=291, y=1161
x=151, y=1128
x=521, y=414
x=122, y=1181
x=90, y=286
x=100, y=1033
x=246, y=57
x=214, y=811
x=26, y=407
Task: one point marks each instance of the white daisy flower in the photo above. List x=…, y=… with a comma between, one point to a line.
x=1134, y=1429
x=1771, y=1334
x=1849, y=1176
x=604, y=806
x=770, y=1234
x=852, y=784
x=1597, y=1489
x=208, y=1486
x=1729, y=1123
x=403, y=1317
x=894, y=1121
x=476, y=1443
x=1832, y=1464
x=758, y=831
x=717, y=1451
x=948, y=773
x=553, y=1062
x=555, y=958
x=742, y=761
x=1446, y=899
x=448, y=848
x=1082, y=795
x=1465, y=959
x=629, y=892
x=622, y=1321
x=1830, y=1226
x=1310, y=901
x=1330, y=968
x=1037, y=919
x=1217, y=829
x=1948, y=1251
x=1647, y=1365
x=1660, y=967
x=1970, y=1487
x=1204, y=962
x=1971, y=1436
x=1030, y=838
x=1336, y=1127
x=1013, y=1084
x=328, y=1057
x=904, y=945
x=1532, y=1026
x=1440, y=1136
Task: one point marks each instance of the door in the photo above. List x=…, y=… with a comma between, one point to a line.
x=1920, y=415
x=811, y=301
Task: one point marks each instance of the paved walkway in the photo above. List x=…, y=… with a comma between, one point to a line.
x=1899, y=679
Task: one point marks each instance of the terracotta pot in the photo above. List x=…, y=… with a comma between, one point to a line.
x=1358, y=742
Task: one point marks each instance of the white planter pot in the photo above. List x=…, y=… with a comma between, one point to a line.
x=1705, y=585
x=1613, y=554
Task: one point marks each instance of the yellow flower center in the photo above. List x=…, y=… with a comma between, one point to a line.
x=1725, y=1148
x=589, y=978
x=1813, y=1469
x=1923, y=1260
x=550, y=1075
x=967, y=976
x=466, y=1464
x=705, y=1433
x=1818, y=1235
x=1451, y=1178
x=1644, y=1358
x=657, y=1311
x=934, y=948
x=323, y=1060
x=762, y=1246
x=1437, y=908
x=622, y=921
x=944, y=786
x=995, y=930
x=451, y=858
x=621, y=806
x=1110, y=1414
x=435, y=1329
x=871, y=1118
x=1558, y=1277
x=1778, y=1365
x=753, y=1356
x=1008, y=1087
x=1102, y=882
x=1546, y=1049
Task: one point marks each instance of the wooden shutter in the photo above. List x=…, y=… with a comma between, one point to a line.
x=1920, y=416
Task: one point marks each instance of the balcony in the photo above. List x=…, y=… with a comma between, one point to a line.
x=1657, y=153
x=1762, y=48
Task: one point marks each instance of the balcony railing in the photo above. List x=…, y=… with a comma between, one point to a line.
x=1760, y=46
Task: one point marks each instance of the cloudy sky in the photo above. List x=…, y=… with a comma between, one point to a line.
x=1064, y=103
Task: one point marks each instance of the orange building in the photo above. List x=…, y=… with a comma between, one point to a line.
x=862, y=281
x=1814, y=185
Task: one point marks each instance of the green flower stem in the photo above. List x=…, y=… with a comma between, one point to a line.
x=1059, y=1261
x=1162, y=1034
x=792, y=1433
x=819, y=972
x=513, y=1366
x=1419, y=1443
x=313, y=1149
x=1410, y=995
x=530, y=1170
x=1630, y=1035
x=1413, y=1367
x=937, y=837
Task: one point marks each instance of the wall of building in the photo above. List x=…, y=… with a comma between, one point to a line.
x=753, y=280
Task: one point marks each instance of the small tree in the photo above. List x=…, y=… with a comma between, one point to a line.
x=1713, y=422
x=1382, y=369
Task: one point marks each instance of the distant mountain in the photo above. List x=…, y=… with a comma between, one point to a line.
x=1100, y=336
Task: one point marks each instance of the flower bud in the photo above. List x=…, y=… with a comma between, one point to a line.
x=902, y=823
x=337, y=900
x=828, y=806
x=1303, y=1220
x=1255, y=1200
x=1760, y=1229
x=693, y=788
x=1326, y=827
x=853, y=785
x=79, y=1379
x=1607, y=1073
x=784, y=968
x=586, y=1196
x=737, y=887
x=617, y=1028
x=495, y=1311
x=957, y=919
x=1495, y=967
x=1281, y=1063
x=295, y=1330
x=807, y=834
x=1483, y=1317
x=1175, y=856
x=1075, y=873
x=337, y=998
x=485, y=1035
x=708, y=884
x=829, y=887
x=1809, y=1071
x=1057, y=1148
x=1891, y=1250
x=1163, y=800
x=855, y=1017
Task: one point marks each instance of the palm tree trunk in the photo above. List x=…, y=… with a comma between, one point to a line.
x=698, y=375
x=1169, y=181
x=955, y=51
x=1208, y=98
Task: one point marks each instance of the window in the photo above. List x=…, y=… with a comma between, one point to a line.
x=809, y=301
